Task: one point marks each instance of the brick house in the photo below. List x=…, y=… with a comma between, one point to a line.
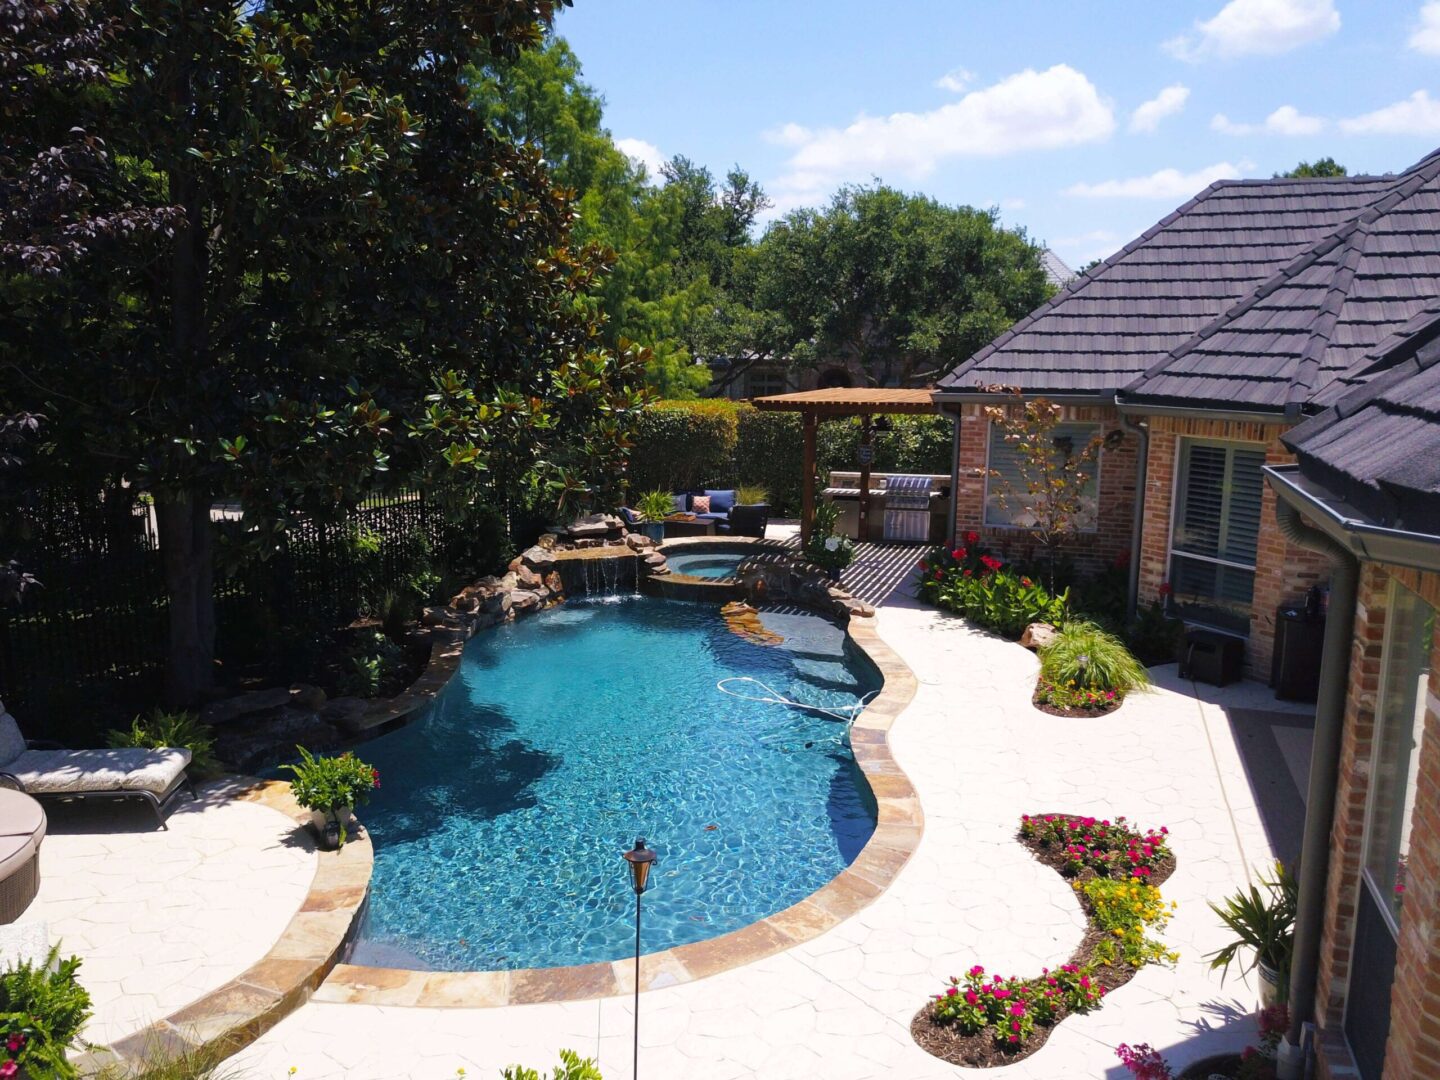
x=1364, y=494
x=1203, y=342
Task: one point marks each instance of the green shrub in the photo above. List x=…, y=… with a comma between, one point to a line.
x=751, y=495
x=914, y=444
x=571, y=1067
x=769, y=447
x=685, y=446
x=332, y=784
x=477, y=542
x=41, y=1014
x=160, y=729
x=824, y=548
x=984, y=590
x=374, y=664
x=1085, y=657
x=1154, y=636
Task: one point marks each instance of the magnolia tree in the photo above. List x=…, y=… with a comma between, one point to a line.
x=1054, y=495
x=271, y=251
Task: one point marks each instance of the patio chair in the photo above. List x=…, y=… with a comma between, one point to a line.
x=49, y=773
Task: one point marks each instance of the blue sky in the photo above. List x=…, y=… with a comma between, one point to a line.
x=1085, y=121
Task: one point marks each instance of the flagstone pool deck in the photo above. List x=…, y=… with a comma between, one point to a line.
x=839, y=1005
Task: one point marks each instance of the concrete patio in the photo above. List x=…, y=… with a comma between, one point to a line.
x=840, y=1005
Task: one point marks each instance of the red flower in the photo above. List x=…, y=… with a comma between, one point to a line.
x=990, y=562
x=958, y=554
x=1165, y=589
x=967, y=573
x=1025, y=581
x=939, y=576
x=375, y=778
x=972, y=538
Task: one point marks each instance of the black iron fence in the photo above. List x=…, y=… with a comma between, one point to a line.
x=88, y=647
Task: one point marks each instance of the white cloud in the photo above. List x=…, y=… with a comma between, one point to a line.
x=1257, y=28
x=1425, y=37
x=1419, y=114
x=1286, y=120
x=956, y=81
x=1012, y=204
x=643, y=153
x=1031, y=110
x=1146, y=118
x=1166, y=184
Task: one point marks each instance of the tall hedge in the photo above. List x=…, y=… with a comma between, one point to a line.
x=689, y=445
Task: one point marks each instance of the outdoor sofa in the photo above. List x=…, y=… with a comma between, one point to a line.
x=47, y=772
x=728, y=515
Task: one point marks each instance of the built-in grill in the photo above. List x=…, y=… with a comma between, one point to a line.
x=907, y=508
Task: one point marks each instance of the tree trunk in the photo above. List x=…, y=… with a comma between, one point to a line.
x=183, y=522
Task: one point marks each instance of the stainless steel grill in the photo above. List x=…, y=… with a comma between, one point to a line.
x=907, y=508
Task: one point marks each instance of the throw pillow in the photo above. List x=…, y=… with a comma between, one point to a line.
x=700, y=504
x=721, y=501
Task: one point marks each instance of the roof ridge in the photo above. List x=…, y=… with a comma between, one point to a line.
x=1302, y=382
x=1074, y=287
x=1406, y=184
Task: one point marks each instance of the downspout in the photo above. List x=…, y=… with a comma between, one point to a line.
x=1137, y=527
x=1324, y=773
x=953, y=529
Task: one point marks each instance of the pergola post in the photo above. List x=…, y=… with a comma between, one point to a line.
x=807, y=486
x=867, y=426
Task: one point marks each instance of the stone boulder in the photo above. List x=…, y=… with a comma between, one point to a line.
x=554, y=582
x=276, y=736
x=547, y=541
x=305, y=696
x=525, y=578
x=638, y=542
x=218, y=713
x=345, y=713
x=1037, y=635
x=438, y=616
x=523, y=601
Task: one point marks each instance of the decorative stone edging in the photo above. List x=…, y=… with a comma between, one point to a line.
x=237, y=1013
x=898, y=827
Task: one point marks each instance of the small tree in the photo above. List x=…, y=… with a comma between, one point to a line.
x=1056, y=476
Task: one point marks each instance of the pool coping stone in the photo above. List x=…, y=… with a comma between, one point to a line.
x=239, y=1011
x=899, y=826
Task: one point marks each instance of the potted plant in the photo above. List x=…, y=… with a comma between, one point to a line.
x=330, y=788
x=830, y=552
x=751, y=512
x=1264, y=923
x=655, y=506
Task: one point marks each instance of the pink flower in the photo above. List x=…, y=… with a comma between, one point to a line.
x=952, y=992
x=9, y=1068
x=976, y=971
x=971, y=997
x=1017, y=1010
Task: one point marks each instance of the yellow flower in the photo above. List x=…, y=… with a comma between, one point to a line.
x=1118, y=932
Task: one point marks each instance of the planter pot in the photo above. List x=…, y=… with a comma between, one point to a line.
x=833, y=573
x=653, y=530
x=325, y=824
x=1269, y=984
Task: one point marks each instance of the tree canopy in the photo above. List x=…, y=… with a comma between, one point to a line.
x=1320, y=168
x=274, y=253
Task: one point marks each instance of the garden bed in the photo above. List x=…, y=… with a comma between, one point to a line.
x=949, y=1042
x=1088, y=711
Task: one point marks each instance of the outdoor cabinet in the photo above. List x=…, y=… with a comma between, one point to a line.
x=1212, y=657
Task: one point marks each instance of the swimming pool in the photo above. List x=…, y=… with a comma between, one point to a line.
x=706, y=564
x=503, y=811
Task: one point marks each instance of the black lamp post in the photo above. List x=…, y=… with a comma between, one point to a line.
x=640, y=859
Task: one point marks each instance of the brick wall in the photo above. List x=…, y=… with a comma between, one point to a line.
x=1092, y=551
x=1283, y=572
x=1414, y=1047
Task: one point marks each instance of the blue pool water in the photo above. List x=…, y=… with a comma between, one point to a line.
x=502, y=812
x=705, y=564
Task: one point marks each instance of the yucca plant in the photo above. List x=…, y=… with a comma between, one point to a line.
x=1085, y=657
x=656, y=505
x=1264, y=923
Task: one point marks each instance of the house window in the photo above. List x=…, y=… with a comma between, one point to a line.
x=1390, y=808
x=1006, y=500
x=1214, y=531
x=764, y=383
x=1401, y=721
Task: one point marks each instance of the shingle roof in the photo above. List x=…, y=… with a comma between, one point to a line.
x=1378, y=447
x=1057, y=270
x=1226, y=253
x=1317, y=316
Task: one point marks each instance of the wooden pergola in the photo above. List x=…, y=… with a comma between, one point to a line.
x=861, y=401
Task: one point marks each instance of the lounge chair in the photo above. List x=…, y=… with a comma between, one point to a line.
x=47, y=772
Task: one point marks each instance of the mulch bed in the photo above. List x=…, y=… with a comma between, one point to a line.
x=980, y=1051
x=1221, y=1065
x=1055, y=710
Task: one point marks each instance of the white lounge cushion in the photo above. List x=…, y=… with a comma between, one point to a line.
x=60, y=772
x=12, y=743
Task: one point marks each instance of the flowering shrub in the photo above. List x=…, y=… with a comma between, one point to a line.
x=1010, y=1008
x=42, y=1009
x=1073, y=697
x=1112, y=848
x=981, y=587
x=1126, y=910
x=825, y=548
x=1144, y=1062
x=1083, y=657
